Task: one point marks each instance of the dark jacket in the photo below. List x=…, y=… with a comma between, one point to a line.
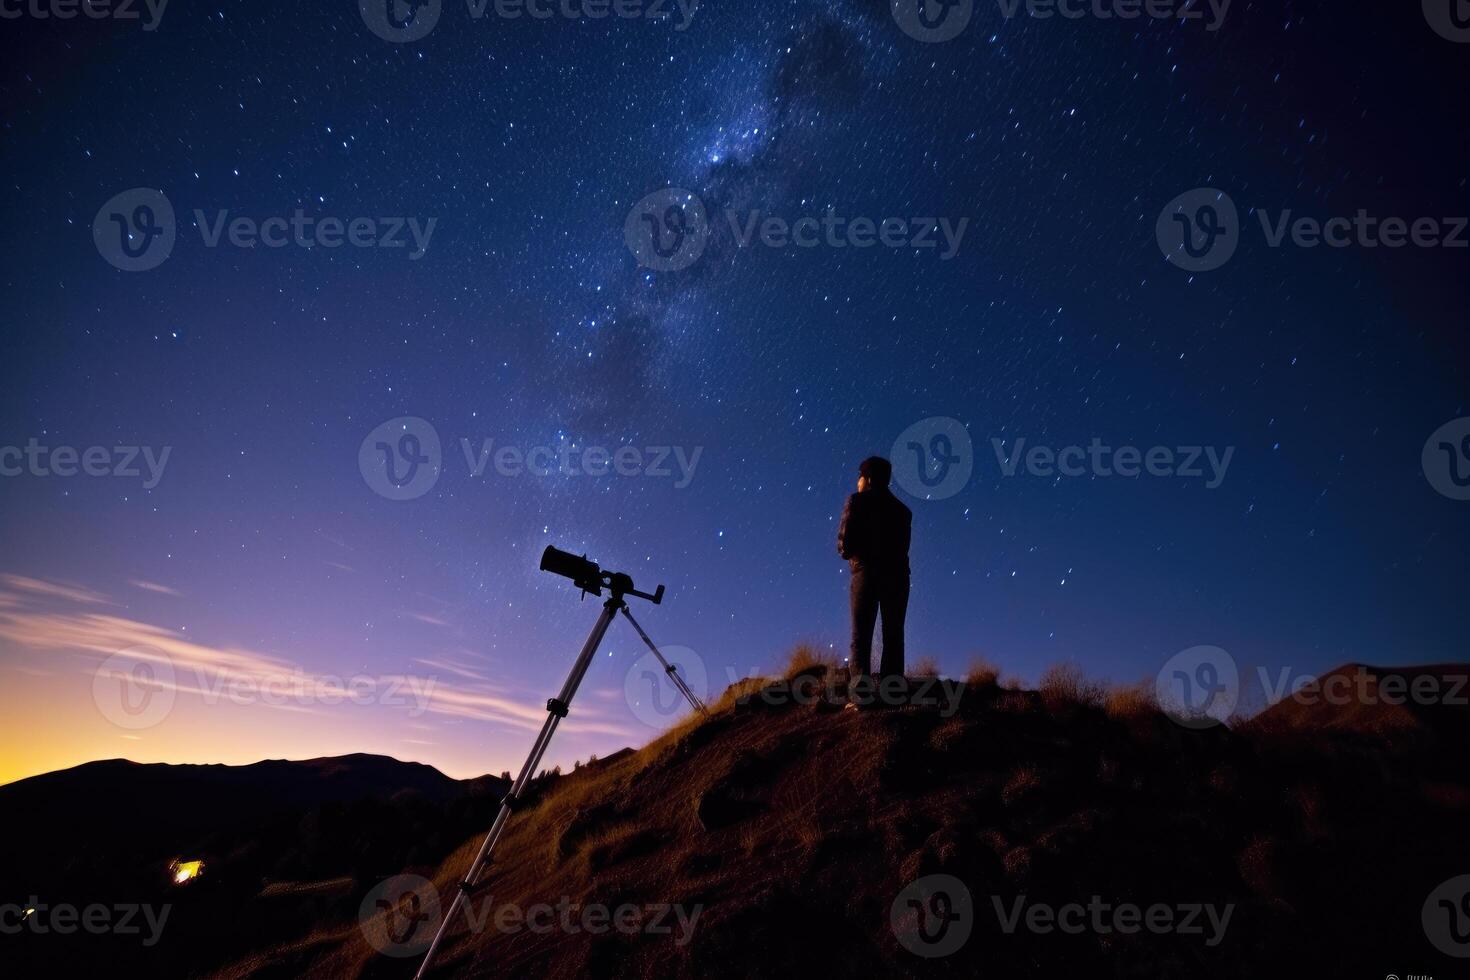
x=875, y=531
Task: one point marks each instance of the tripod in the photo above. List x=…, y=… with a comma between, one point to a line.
x=556, y=709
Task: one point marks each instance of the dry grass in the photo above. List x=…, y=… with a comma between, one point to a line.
x=808, y=659
x=1022, y=783
x=925, y=667
x=1065, y=685
x=1129, y=701
x=982, y=673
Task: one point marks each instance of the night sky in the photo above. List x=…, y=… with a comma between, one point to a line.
x=528, y=320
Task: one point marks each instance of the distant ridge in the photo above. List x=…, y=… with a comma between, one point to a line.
x=1427, y=701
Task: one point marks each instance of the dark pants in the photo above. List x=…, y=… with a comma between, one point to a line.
x=875, y=590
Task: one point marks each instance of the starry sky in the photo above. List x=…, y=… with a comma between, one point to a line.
x=262, y=550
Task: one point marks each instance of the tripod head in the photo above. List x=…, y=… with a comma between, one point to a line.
x=589, y=577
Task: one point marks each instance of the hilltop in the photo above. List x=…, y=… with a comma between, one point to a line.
x=782, y=835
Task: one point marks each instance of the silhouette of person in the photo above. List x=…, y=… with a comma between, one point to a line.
x=874, y=538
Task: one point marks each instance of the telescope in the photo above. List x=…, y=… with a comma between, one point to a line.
x=589, y=577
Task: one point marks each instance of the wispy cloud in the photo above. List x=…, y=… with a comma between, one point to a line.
x=54, y=590
x=147, y=586
x=453, y=667
x=214, y=671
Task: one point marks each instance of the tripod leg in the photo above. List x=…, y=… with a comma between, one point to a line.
x=556, y=710
x=669, y=668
